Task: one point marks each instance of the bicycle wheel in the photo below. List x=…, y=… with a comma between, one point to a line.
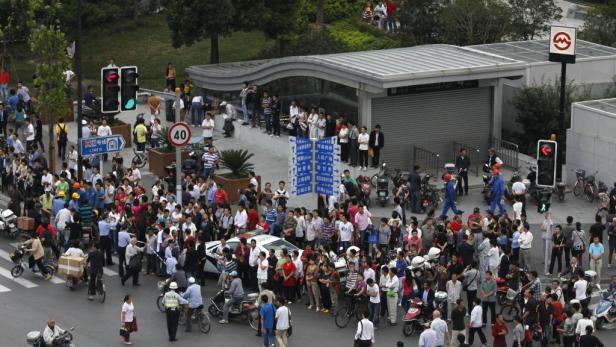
x=159, y=303
x=17, y=271
x=204, y=323
x=589, y=193
x=139, y=160
x=509, y=312
x=102, y=293
x=183, y=317
x=343, y=317
x=577, y=189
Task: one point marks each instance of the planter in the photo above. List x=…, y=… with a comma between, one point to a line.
x=69, y=114
x=124, y=130
x=233, y=185
x=157, y=161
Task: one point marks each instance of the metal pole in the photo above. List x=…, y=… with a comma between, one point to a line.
x=546, y=242
x=561, y=123
x=178, y=154
x=79, y=91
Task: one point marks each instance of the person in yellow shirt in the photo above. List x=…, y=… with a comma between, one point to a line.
x=140, y=133
x=62, y=134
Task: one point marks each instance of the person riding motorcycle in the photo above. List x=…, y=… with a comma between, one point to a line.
x=51, y=332
x=236, y=291
x=37, y=253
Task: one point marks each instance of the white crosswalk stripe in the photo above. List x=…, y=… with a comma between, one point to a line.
x=22, y=281
x=109, y=272
x=4, y=289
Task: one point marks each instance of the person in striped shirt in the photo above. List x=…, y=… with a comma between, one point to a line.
x=209, y=161
x=327, y=231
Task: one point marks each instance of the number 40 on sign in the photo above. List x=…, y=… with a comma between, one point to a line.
x=179, y=134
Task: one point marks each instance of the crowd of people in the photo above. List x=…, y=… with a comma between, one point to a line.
x=114, y=212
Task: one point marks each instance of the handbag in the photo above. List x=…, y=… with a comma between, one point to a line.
x=134, y=263
x=579, y=248
x=290, y=329
x=465, y=286
x=132, y=326
x=371, y=152
x=123, y=331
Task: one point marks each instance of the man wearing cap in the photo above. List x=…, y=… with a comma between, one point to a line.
x=74, y=203
x=46, y=201
x=195, y=300
x=236, y=291
x=58, y=203
x=497, y=191
x=85, y=130
x=172, y=302
x=450, y=197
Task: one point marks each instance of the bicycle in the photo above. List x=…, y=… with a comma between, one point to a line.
x=201, y=317
x=101, y=291
x=512, y=307
x=140, y=158
x=343, y=315
x=585, y=184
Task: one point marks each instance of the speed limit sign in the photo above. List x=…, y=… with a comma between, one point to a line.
x=179, y=134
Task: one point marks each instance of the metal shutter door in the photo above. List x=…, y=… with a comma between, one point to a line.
x=432, y=121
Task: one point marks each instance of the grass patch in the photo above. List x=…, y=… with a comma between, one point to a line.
x=146, y=43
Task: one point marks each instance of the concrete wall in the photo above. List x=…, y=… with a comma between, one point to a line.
x=591, y=144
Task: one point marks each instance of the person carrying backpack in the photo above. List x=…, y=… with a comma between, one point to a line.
x=62, y=133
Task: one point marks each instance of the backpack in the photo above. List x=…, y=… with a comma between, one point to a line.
x=63, y=136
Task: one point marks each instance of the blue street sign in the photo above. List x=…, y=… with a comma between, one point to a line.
x=300, y=165
x=327, y=162
x=101, y=145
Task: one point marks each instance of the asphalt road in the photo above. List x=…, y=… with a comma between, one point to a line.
x=27, y=304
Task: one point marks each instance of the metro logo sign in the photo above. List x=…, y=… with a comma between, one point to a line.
x=562, y=44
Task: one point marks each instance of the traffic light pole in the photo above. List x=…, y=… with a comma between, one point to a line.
x=561, y=123
x=178, y=150
x=79, y=92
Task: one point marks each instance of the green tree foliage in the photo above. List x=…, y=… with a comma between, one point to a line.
x=469, y=22
x=531, y=18
x=419, y=21
x=191, y=21
x=248, y=14
x=352, y=38
x=332, y=10
x=281, y=21
x=600, y=24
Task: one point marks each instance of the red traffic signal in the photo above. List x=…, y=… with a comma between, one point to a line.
x=110, y=88
x=546, y=163
x=545, y=150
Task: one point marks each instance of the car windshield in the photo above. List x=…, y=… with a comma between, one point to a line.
x=279, y=245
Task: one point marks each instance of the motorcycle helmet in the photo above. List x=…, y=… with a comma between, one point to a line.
x=447, y=177
x=434, y=253
x=417, y=262
x=348, y=251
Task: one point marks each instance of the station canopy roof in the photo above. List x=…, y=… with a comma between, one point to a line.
x=372, y=71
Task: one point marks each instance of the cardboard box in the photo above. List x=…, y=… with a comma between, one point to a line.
x=70, y=266
x=25, y=223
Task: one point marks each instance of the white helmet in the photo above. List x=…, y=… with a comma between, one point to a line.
x=434, y=253
x=417, y=262
x=348, y=251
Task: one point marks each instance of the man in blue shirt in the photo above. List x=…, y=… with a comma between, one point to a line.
x=123, y=242
x=195, y=301
x=104, y=227
x=450, y=197
x=267, y=314
x=58, y=203
x=497, y=191
x=596, y=251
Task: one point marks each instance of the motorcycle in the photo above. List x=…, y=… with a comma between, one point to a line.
x=21, y=263
x=382, y=187
x=430, y=197
x=365, y=189
x=35, y=338
x=605, y=312
x=423, y=268
x=8, y=221
x=246, y=310
x=535, y=192
x=415, y=319
x=502, y=287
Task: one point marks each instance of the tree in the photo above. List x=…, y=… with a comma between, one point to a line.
x=470, y=22
x=191, y=21
x=48, y=44
x=281, y=21
x=419, y=21
x=600, y=24
x=531, y=18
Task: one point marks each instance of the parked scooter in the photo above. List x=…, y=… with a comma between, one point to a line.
x=382, y=186
x=415, y=319
x=605, y=312
x=430, y=197
x=8, y=221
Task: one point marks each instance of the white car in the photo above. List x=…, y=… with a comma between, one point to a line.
x=264, y=243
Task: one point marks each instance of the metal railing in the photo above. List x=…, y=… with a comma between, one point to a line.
x=473, y=153
x=507, y=151
x=428, y=161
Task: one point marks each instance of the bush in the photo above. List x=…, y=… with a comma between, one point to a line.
x=358, y=38
x=236, y=160
x=334, y=10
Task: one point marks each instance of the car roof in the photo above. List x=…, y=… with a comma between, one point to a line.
x=260, y=239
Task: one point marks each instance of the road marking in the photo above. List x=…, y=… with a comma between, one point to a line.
x=22, y=281
x=6, y=256
x=4, y=289
x=109, y=272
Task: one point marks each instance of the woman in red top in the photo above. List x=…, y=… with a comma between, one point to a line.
x=253, y=218
x=415, y=240
x=288, y=281
x=499, y=332
x=262, y=227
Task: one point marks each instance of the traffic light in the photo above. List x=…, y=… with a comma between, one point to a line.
x=543, y=206
x=546, y=163
x=128, y=88
x=110, y=86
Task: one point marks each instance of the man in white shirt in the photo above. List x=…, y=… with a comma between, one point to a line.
x=476, y=324
x=196, y=106
x=51, y=331
x=64, y=216
x=392, y=285
x=104, y=130
x=428, y=338
x=374, y=300
x=29, y=133
x=365, y=331
x=580, y=328
x=208, y=128
x=240, y=220
x=253, y=260
x=262, y=267
x=580, y=286
x=440, y=327
x=526, y=242
x=46, y=178
x=345, y=228
x=95, y=177
x=518, y=190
